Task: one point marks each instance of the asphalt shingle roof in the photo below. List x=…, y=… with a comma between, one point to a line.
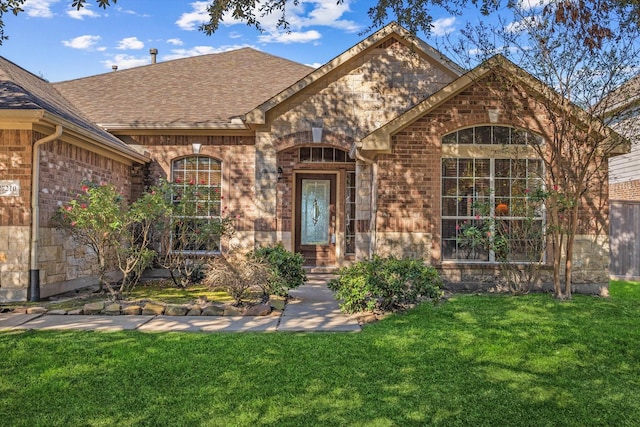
x=200, y=91
x=22, y=90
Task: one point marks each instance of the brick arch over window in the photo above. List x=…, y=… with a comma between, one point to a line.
x=329, y=138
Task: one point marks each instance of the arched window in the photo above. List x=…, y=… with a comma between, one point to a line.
x=489, y=209
x=197, y=184
x=504, y=135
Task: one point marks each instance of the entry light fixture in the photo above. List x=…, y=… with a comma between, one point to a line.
x=280, y=173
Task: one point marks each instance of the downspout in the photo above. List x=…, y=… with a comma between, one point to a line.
x=34, y=272
x=374, y=200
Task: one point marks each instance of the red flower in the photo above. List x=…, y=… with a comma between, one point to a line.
x=85, y=188
x=69, y=208
x=83, y=206
x=178, y=180
x=555, y=187
x=526, y=191
x=191, y=182
x=73, y=223
x=202, y=181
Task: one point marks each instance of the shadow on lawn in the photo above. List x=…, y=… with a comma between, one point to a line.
x=474, y=360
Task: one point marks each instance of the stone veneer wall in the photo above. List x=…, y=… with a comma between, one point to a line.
x=351, y=101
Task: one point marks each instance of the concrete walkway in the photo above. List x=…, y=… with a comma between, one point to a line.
x=311, y=308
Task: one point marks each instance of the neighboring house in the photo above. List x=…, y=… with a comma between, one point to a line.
x=380, y=151
x=624, y=185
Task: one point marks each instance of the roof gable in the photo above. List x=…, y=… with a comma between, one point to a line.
x=393, y=30
x=380, y=139
x=207, y=91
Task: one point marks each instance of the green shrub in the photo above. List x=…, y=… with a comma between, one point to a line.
x=285, y=266
x=385, y=284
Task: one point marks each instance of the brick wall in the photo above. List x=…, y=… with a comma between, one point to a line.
x=409, y=187
x=15, y=164
x=63, y=167
x=625, y=191
x=237, y=154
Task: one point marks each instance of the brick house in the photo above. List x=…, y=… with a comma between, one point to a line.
x=380, y=151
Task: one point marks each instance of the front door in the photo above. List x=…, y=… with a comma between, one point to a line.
x=316, y=218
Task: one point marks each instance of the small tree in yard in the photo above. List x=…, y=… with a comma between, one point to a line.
x=135, y=253
x=517, y=244
x=190, y=230
x=117, y=234
x=574, y=106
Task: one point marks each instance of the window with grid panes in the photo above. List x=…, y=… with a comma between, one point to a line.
x=197, y=183
x=478, y=192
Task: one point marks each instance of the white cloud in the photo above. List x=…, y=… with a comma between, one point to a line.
x=39, y=8
x=191, y=20
x=82, y=42
x=291, y=37
x=130, y=43
x=308, y=13
x=200, y=50
x=84, y=12
x=175, y=42
x=533, y=4
x=124, y=61
x=130, y=12
x=522, y=25
x=235, y=35
x=328, y=13
x=443, y=26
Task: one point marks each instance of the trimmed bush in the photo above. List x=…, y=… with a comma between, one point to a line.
x=385, y=284
x=240, y=276
x=285, y=266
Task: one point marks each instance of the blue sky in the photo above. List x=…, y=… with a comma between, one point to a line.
x=53, y=40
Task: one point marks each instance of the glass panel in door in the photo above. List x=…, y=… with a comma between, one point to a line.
x=315, y=212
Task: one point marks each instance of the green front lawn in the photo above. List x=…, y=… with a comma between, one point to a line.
x=473, y=360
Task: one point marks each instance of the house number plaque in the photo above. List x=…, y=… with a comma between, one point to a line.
x=9, y=188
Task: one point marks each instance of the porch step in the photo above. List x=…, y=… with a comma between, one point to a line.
x=312, y=269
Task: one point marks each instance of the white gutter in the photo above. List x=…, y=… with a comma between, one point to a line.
x=34, y=272
x=374, y=199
